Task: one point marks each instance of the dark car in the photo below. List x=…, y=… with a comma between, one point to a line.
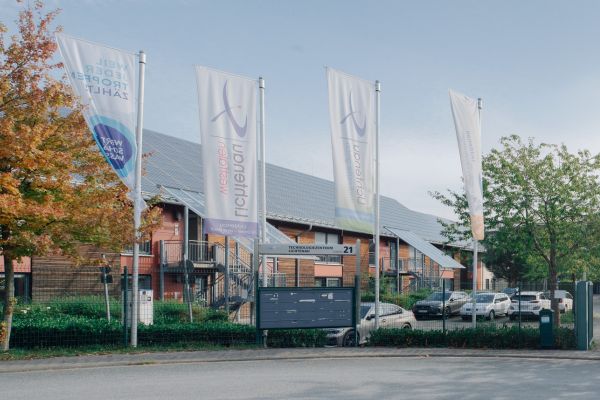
x=434, y=304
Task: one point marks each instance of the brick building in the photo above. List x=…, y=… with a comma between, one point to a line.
x=300, y=209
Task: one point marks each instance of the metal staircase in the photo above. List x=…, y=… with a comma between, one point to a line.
x=233, y=286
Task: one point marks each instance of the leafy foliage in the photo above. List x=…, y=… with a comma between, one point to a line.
x=541, y=206
x=490, y=337
x=56, y=190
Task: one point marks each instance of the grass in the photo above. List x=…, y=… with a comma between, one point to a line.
x=32, y=354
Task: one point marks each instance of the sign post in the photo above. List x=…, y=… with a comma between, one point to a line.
x=295, y=307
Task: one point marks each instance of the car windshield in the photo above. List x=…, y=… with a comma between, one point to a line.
x=484, y=298
x=363, y=311
x=509, y=290
x=524, y=297
x=438, y=296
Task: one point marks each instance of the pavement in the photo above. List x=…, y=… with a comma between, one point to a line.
x=191, y=357
x=333, y=375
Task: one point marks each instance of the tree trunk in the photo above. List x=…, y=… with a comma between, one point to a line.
x=553, y=283
x=9, y=303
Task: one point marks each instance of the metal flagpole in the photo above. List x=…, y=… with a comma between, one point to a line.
x=137, y=198
x=376, y=231
x=474, y=292
x=263, y=180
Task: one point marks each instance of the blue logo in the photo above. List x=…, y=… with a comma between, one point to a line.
x=352, y=115
x=116, y=143
x=239, y=130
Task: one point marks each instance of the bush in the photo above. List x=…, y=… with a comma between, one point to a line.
x=93, y=307
x=404, y=300
x=34, y=330
x=297, y=338
x=169, y=312
x=489, y=337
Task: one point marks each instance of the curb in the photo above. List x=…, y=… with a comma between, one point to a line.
x=174, y=358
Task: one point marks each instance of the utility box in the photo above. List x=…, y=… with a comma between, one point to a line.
x=146, y=306
x=584, y=315
x=546, y=329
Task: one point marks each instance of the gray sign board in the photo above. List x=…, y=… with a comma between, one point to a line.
x=286, y=308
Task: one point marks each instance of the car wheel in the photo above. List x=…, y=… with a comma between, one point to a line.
x=492, y=315
x=512, y=317
x=448, y=312
x=348, y=340
x=406, y=326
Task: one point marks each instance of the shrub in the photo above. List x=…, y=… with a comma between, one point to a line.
x=483, y=337
x=297, y=338
x=405, y=300
x=168, y=312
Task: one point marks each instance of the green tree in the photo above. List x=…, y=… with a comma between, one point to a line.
x=541, y=204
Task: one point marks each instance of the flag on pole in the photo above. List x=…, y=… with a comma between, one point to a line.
x=104, y=80
x=468, y=132
x=227, y=105
x=352, y=120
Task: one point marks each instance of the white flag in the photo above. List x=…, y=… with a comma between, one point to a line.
x=352, y=121
x=468, y=132
x=104, y=80
x=227, y=106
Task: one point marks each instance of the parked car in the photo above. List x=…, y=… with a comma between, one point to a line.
x=510, y=291
x=565, y=300
x=434, y=304
x=487, y=305
x=531, y=304
x=390, y=316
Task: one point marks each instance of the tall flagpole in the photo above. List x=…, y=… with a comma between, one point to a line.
x=137, y=199
x=263, y=180
x=376, y=230
x=474, y=292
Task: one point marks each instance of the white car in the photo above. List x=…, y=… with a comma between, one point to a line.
x=487, y=305
x=531, y=304
x=390, y=316
x=565, y=300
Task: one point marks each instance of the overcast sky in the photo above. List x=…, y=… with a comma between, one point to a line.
x=536, y=64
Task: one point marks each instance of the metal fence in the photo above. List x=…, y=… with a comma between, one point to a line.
x=89, y=306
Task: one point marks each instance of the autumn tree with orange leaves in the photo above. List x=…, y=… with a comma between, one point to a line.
x=56, y=189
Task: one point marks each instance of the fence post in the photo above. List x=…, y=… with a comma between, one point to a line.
x=125, y=306
x=519, y=294
x=357, y=294
x=444, y=306
x=226, y=292
x=161, y=266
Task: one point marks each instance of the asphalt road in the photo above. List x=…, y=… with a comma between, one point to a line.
x=365, y=378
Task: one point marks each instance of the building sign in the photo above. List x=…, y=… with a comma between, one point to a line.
x=308, y=249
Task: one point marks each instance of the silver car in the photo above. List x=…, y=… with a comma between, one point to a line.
x=390, y=316
x=487, y=305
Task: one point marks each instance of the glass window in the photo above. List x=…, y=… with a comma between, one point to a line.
x=145, y=248
x=328, y=238
x=334, y=282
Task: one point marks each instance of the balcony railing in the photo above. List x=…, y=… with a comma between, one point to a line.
x=199, y=252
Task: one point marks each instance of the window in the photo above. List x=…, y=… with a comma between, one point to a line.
x=371, y=252
x=22, y=283
x=328, y=238
x=145, y=248
x=328, y=282
x=487, y=284
x=144, y=282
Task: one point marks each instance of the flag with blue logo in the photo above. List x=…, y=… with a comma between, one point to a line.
x=227, y=109
x=104, y=79
x=352, y=121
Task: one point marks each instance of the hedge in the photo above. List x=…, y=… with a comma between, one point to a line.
x=93, y=307
x=403, y=300
x=71, y=331
x=480, y=338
